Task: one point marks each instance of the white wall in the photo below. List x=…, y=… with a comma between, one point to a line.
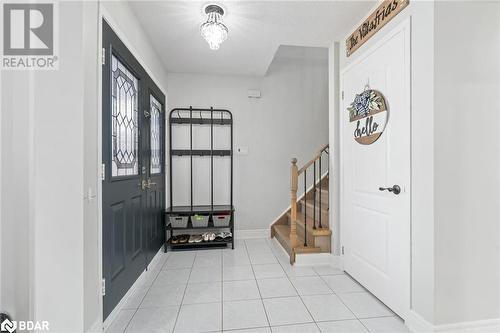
x=467, y=156
x=17, y=203
x=334, y=141
x=455, y=159
x=42, y=277
x=50, y=139
x=290, y=120
x=421, y=14
x=58, y=186
x=91, y=249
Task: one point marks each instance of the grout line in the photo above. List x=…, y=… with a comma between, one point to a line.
x=258, y=288
x=357, y=292
x=184, y=294
x=300, y=297
x=142, y=299
x=222, y=291
x=340, y=299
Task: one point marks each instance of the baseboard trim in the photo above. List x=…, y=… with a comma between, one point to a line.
x=417, y=324
x=252, y=233
x=96, y=327
x=279, y=250
x=316, y=259
x=483, y=326
x=137, y=283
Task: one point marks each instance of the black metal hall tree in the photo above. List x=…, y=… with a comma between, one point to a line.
x=216, y=216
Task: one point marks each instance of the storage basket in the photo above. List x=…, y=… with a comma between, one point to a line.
x=199, y=221
x=177, y=221
x=221, y=220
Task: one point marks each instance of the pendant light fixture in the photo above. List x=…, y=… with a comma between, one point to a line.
x=214, y=31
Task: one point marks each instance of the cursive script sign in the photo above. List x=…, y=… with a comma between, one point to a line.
x=384, y=13
x=368, y=116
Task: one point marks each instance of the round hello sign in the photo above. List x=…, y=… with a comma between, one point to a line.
x=368, y=115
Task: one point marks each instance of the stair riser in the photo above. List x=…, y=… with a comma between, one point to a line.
x=322, y=242
x=310, y=237
x=324, y=198
x=310, y=210
x=285, y=243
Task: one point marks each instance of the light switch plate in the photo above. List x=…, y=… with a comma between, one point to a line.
x=242, y=150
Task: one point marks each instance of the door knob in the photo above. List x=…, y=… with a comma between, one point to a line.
x=150, y=183
x=394, y=189
x=144, y=185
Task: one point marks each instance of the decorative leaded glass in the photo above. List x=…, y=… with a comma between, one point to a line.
x=124, y=121
x=155, y=135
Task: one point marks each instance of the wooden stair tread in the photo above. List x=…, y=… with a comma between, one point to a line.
x=283, y=235
x=325, y=231
x=308, y=249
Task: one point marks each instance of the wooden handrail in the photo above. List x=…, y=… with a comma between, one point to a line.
x=315, y=158
x=294, y=181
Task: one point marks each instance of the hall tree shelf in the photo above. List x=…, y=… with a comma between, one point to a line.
x=205, y=118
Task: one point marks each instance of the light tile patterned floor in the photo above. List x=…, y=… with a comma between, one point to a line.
x=252, y=288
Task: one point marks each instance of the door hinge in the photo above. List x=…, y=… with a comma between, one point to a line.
x=342, y=95
x=103, y=287
x=342, y=249
x=103, y=172
x=103, y=56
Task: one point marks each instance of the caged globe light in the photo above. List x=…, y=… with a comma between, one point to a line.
x=214, y=30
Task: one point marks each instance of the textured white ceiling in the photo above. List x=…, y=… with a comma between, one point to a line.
x=256, y=30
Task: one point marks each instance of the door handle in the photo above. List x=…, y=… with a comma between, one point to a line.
x=394, y=189
x=146, y=184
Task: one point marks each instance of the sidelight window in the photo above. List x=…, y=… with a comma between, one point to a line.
x=155, y=135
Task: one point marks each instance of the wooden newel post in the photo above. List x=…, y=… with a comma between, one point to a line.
x=294, y=180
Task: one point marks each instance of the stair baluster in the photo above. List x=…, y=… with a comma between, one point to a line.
x=305, y=210
x=320, y=193
x=294, y=181
x=314, y=196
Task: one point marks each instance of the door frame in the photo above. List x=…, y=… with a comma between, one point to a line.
x=404, y=27
x=105, y=15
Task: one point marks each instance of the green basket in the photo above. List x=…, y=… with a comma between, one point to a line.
x=199, y=221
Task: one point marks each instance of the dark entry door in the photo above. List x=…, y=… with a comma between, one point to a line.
x=155, y=169
x=131, y=203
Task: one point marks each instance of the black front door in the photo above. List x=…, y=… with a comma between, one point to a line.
x=133, y=158
x=155, y=169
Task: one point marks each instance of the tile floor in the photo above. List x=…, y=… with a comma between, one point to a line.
x=252, y=288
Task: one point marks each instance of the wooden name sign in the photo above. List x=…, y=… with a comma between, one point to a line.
x=384, y=13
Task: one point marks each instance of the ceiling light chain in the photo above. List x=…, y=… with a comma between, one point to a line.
x=214, y=31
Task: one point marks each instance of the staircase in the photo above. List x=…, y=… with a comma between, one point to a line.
x=304, y=228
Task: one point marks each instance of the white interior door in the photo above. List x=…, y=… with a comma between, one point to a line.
x=375, y=224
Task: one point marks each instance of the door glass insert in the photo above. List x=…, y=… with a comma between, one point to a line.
x=125, y=127
x=155, y=135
